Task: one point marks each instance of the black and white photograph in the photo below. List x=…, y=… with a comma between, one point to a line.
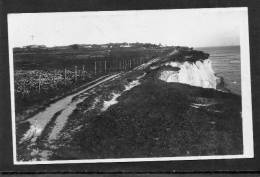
x=130, y=85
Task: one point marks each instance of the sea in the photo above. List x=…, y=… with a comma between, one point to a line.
x=226, y=64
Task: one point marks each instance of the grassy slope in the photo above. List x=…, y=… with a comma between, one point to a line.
x=156, y=119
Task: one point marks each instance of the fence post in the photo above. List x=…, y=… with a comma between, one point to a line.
x=39, y=86
x=98, y=67
x=65, y=76
x=95, y=67
x=24, y=86
x=76, y=73
x=105, y=66
x=112, y=67
x=118, y=65
x=83, y=71
x=54, y=77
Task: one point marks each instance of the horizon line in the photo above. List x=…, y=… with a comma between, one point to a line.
x=164, y=45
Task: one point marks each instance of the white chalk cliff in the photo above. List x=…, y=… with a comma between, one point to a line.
x=199, y=73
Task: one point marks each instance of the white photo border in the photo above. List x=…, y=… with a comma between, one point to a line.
x=247, y=123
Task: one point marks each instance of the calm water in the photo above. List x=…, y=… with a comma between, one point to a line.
x=226, y=63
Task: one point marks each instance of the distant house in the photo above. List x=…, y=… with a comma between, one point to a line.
x=104, y=46
x=125, y=45
x=87, y=46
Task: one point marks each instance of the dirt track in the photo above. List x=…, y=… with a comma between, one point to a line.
x=60, y=110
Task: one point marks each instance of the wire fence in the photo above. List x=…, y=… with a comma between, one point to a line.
x=70, y=76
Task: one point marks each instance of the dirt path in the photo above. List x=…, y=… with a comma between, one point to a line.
x=63, y=108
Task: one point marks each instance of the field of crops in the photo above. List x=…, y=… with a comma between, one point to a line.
x=33, y=87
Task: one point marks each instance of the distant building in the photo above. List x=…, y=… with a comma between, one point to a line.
x=104, y=46
x=87, y=46
x=125, y=45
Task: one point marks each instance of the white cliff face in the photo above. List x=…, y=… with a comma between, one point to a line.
x=198, y=74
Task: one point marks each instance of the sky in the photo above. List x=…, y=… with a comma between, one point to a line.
x=182, y=27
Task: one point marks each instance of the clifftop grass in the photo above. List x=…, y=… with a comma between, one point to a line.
x=159, y=119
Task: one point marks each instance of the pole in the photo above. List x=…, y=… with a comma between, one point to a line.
x=95, y=68
x=83, y=71
x=76, y=73
x=54, y=77
x=65, y=75
x=39, y=86
x=105, y=66
x=112, y=66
